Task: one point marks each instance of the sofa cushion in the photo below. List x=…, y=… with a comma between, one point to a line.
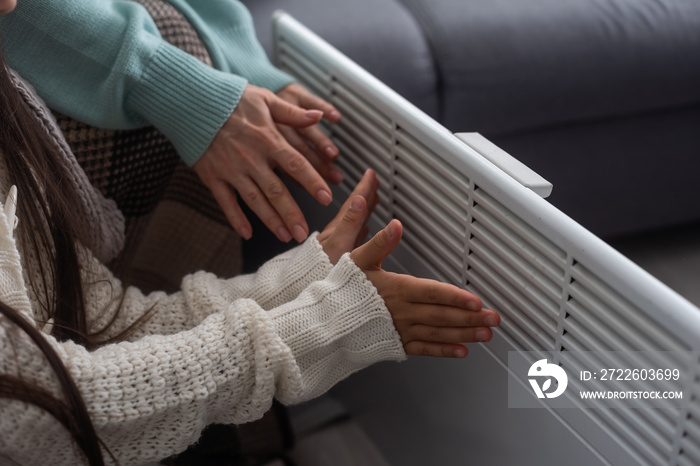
x=508, y=65
x=380, y=35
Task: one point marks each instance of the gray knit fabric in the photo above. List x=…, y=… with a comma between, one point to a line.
x=105, y=221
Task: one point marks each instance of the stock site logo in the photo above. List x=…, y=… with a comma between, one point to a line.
x=543, y=370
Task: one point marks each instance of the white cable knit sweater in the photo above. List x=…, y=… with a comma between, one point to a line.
x=218, y=351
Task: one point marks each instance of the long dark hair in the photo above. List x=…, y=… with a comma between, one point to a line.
x=49, y=228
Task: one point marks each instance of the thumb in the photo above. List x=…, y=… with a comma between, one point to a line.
x=341, y=234
x=288, y=114
x=371, y=254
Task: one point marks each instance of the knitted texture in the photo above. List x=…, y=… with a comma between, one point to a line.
x=128, y=75
x=173, y=224
x=209, y=353
x=226, y=26
x=216, y=351
x=105, y=221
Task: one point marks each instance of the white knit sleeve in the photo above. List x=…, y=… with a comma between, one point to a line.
x=150, y=398
x=223, y=361
x=278, y=281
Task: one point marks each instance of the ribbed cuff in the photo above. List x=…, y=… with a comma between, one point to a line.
x=336, y=327
x=282, y=278
x=189, y=100
x=307, y=263
x=226, y=27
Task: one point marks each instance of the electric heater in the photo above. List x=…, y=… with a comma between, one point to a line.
x=475, y=217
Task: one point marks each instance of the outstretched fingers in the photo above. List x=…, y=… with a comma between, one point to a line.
x=343, y=232
x=436, y=350
x=283, y=155
x=299, y=95
x=243, y=155
x=370, y=255
x=448, y=334
x=339, y=237
x=289, y=114
x=227, y=200
x=311, y=140
x=322, y=163
x=449, y=316
x=421, y=290
x=438, y=329
x=308, y=100
x=432, y=318
x=320, y=141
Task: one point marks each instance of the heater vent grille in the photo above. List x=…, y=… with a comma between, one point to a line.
x=557, y=287
x=689, y=454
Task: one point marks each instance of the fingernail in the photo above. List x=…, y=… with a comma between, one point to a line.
x=391, y=230
x=460, y=352
x=284, y=234
x=482, y=335
x=314, y=114
x=299, y=233
x=324, y=197
x=331, y=151
x=356, y=203
x=245, y=232
x=334, y=115
x=336, y=176
x=491, y=320
x=473, y=306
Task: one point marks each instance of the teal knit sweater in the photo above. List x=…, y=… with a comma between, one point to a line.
x=104, y=62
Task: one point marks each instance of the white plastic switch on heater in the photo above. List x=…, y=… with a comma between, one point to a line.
x=506, y=162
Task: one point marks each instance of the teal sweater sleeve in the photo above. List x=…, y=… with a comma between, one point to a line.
x=226, y=27
x=105, y=63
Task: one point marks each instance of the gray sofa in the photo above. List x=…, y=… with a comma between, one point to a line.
x=602, y=98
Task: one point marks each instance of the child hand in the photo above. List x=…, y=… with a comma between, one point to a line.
x=348, y=229
x=432, y=318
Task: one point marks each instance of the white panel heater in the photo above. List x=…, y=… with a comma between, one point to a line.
x=474, y=217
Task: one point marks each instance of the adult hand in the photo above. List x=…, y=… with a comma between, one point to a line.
x=243, y=156
x=432, y=318
x=349, y=227
x=311, y=141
